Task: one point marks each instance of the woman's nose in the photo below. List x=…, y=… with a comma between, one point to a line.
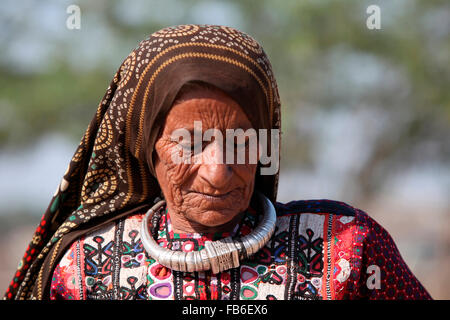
x=213, y=168
x=218, y=176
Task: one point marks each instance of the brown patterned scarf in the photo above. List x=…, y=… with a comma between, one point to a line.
x=111, y=174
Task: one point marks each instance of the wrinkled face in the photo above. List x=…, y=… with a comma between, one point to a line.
x=206, y=195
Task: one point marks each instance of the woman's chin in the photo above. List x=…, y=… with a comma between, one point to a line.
x=213, y=218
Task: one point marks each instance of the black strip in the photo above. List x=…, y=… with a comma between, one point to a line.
x=328, y=257
x=219, y=286
x=116, y=256
x=235, y=283
x=178, y=285
x=315, y=206
x=291, y=272
x=79, y=271
x=197, y=293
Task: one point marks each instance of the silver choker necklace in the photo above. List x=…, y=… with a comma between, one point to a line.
x=217, y=255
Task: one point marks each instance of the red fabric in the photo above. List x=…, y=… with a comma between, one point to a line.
x=358, y=242
x=378, y=248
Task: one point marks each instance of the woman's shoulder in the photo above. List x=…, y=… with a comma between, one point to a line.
x=315, y=206
x=335, y=210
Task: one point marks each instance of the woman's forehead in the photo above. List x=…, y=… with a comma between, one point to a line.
x=213, y=110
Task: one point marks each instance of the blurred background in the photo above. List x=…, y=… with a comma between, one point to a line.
x=365, y=113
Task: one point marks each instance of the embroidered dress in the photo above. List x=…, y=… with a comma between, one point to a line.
x=88, y=246
x=320, y=250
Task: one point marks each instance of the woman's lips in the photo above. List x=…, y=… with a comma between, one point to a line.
x=212, y=197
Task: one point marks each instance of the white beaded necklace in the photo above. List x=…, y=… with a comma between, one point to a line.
x=217, y=255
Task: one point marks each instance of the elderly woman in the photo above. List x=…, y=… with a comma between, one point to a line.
x=132, y=219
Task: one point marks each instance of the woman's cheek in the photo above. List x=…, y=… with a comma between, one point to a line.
x=167, y=171
x=175, y=172
x=246, y=173
x=175, y=178
x=249, y=174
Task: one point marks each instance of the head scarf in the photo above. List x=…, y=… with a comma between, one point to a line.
x=111, y=174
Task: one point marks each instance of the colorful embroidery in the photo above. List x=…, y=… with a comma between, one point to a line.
x=319, y=255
